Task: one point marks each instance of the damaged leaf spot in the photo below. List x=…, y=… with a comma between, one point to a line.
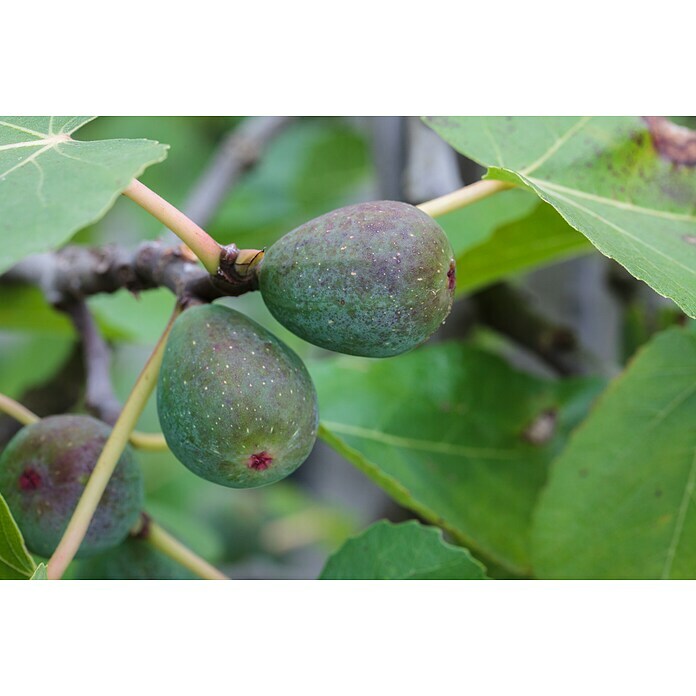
x=673, y=142
x=542, y=428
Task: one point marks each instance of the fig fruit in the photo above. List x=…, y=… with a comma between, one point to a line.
x=43, y=472
x=374, y=279
x=236, y=405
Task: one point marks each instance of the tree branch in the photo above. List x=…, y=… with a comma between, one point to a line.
x=74, y=272
x=238, y=152
x=99, y=393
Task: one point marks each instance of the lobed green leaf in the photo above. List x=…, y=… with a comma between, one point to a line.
x=52, y=185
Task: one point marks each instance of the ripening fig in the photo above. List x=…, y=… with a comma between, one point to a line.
x=373, y=279
x=43, y=472
x=236, y=405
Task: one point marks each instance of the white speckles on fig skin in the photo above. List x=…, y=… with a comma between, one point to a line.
x=236, y=405
x=373, y=279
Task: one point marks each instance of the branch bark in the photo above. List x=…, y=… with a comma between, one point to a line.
x=239, y=151
x=100, y=398
x=74, y=273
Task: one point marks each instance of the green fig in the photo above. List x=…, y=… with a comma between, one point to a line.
x=374, y=279
x=235, y=404
x=43, y=472
x=134, y=559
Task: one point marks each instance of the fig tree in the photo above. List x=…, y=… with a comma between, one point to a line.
x=235, y=404
x=374, y=279
x=43, y=472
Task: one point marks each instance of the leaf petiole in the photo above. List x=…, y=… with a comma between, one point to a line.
x=195, y=237
x=463, y=196
x=167, y=544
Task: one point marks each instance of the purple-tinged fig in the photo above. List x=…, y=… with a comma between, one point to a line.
x=43, y=472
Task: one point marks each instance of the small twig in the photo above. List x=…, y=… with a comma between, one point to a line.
x=389, y=155
x=238, y=152
x=99, y=393
x=108, y=459
x=79, y=272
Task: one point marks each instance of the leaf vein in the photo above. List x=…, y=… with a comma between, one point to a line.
x=494, y=143
x=424, y=445
x=557, y=145
x=666, y=215
x=681, y=518
x=635, y=239
x=28, y=131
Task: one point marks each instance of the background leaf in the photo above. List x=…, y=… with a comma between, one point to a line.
x=444, y=431
x=312, y=167
x=522, y=245
x=15, y=561
x=605, y=178
x=52, y=185
x=29, y=358
x=620, y=500
x=473, y=225
x=407, y=551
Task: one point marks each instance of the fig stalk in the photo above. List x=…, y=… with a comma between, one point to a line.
x=15, y=410
x=167, y=544
x=195, y=237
